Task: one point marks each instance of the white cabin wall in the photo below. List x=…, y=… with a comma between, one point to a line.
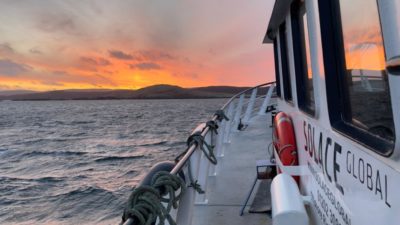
x=390, y=21
x=317, y=64
x=357, y=200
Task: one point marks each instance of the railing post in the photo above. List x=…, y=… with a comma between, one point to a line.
x=250, y=106
x=238, y=113
x=228, y=125
x=212, y=169
x=266, y=100
x=364, y=81
x=219, y=145
x=186, y=204
x=202, y=175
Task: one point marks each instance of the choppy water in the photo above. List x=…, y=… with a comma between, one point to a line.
x=75, y=162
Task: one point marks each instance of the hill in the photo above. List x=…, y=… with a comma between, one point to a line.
x=151, y=92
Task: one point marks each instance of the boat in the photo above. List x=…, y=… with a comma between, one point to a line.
x=320, y=142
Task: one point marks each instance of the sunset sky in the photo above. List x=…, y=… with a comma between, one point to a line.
x=129, y=44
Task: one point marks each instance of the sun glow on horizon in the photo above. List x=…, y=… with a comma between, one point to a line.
x=130, y=45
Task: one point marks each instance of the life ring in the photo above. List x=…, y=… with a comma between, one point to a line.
x=285, y=141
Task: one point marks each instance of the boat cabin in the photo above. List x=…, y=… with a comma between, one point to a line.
x=320, y=145
x=337, y=66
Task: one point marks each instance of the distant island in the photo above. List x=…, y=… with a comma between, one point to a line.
x=152, y=92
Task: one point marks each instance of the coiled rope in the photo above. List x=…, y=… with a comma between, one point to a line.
x=145, y=202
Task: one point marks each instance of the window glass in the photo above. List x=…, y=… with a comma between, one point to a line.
x=309, y=81
x=305, y=89
x=277, y=76
x=366, y=82
x=287, y=88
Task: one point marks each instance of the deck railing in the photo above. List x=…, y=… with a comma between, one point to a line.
x=201, y=168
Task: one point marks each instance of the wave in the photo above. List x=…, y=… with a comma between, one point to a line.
x=72, y=137
x=153, y=144
x=84, y=201
x=75, y=134
x=118, y=158
x=39, y=179
x=81, y=122
x=84, y=191
x=53, y=153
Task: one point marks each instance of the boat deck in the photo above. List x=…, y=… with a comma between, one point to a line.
x=235, y=175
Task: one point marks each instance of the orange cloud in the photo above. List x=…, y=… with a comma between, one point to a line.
x=133, y=44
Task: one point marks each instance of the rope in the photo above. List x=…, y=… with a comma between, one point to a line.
x=198, y=139
x=145, y=202
x=221, y=115
x=213, y=126
x=194, y=183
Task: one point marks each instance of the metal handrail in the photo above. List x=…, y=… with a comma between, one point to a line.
x=242, y=92
x=191, y=149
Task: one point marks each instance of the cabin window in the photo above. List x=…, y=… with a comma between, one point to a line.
x=301, y=47
x=366, y=78
x=287, y=88
x=356, y=80
x=277, y=75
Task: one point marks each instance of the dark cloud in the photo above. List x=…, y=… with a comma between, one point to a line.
x=145, y=66
x=155, y=55
x=364, y=46
x=10, y=68
x=35, y=51
x=52, y=83
x=95, y=61
x=162, y=23
x=6, y=49
x=57, y=23
x=120, y=55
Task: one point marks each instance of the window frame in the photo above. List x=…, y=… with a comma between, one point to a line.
x=300, y=58
x=284, y=59
x=335, y=79
x=277, y=73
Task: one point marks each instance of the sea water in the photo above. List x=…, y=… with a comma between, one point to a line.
x=75, y=162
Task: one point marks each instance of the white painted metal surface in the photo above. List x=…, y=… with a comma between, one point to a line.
x=186, y=204
x=250, y=106
x=390, y=20
x=228, y=125
x=219, y=181
x=287, y=203
x=266, y=101
x=238, y=113
x=237, y=169
x=348, y=183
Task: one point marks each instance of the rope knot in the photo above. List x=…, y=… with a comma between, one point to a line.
x=221, y=115
x=208, y=150
x=196, y=186
x=213, y=126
